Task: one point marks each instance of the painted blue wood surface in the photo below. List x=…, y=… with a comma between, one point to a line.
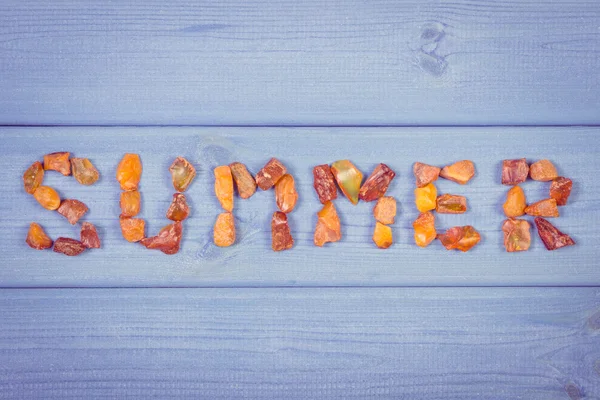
x=532, y=62
x=311, y=62
x=419, y=343
x=355, y=261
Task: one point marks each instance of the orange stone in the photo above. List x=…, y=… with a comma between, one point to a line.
x=543, y=208
x=37, y=238
x=426, y=198
x=451, y=204
x=224, y=187
x=84, y=171
x=424, y=227
x=285, y=193
x=129, y=172
x=461, y=238
x=33, y=177
x=425, y=174
x=130, y=203
x=328, y=225
x=515, y=203
x=47, y=197
x=459, y=172
x=133, y=229
x=382, y=236
x=224, y=230
x=543, y=170
x=58, y=162
x=385, y=210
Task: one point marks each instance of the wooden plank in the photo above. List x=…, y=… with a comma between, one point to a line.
x=455, y=343
x=262, y=62
x=251, y=262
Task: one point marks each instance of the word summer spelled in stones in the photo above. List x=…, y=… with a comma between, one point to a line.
x=328, y=181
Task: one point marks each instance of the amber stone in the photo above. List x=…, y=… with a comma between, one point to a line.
x=68, y=246
x=425, y=174
x=385, y=210
x=72, y=210
x=37, y=238
x=182, y=174
x=459, y=172
x=129, y=171
x=424, y=227
x=382, y=236
x=133, y=229
x=461, y=238
x=560, y=190
x=224, y=187
x=33, y=177
x=281, y=237
x=47, y=197
x=377, y=183
x=348, y=178
x=179, y=209
x=543, y=208
x=514, y=171
x=328, y=225
x=224, y=230
x=58, y=162
x=130, y=203
x=515, y=203
x=89, y=236
x=543, y=170
x=268, y=176
x=451, y=204
x=84, y=171
x=168, y=239
x=245, y=183
x=553, y=238
x=285, y=193
x=426, y=198
x=324, y=183
x=517, y=235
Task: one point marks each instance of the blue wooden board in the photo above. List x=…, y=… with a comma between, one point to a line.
x=260, y=62
x=419, y=343
x=339, y=322
x=355, y=261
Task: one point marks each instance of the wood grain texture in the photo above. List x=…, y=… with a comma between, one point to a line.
x=352, y=262
x=438, y=344
x=283, y=62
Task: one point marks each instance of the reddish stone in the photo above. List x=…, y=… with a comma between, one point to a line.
x=72, y=210
x=89, y=236
x=324, y=183
x=168, y=239
x=281, y=237
x=68, y=247
x=553, y=238
x=377, y=183
x=514, y=171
